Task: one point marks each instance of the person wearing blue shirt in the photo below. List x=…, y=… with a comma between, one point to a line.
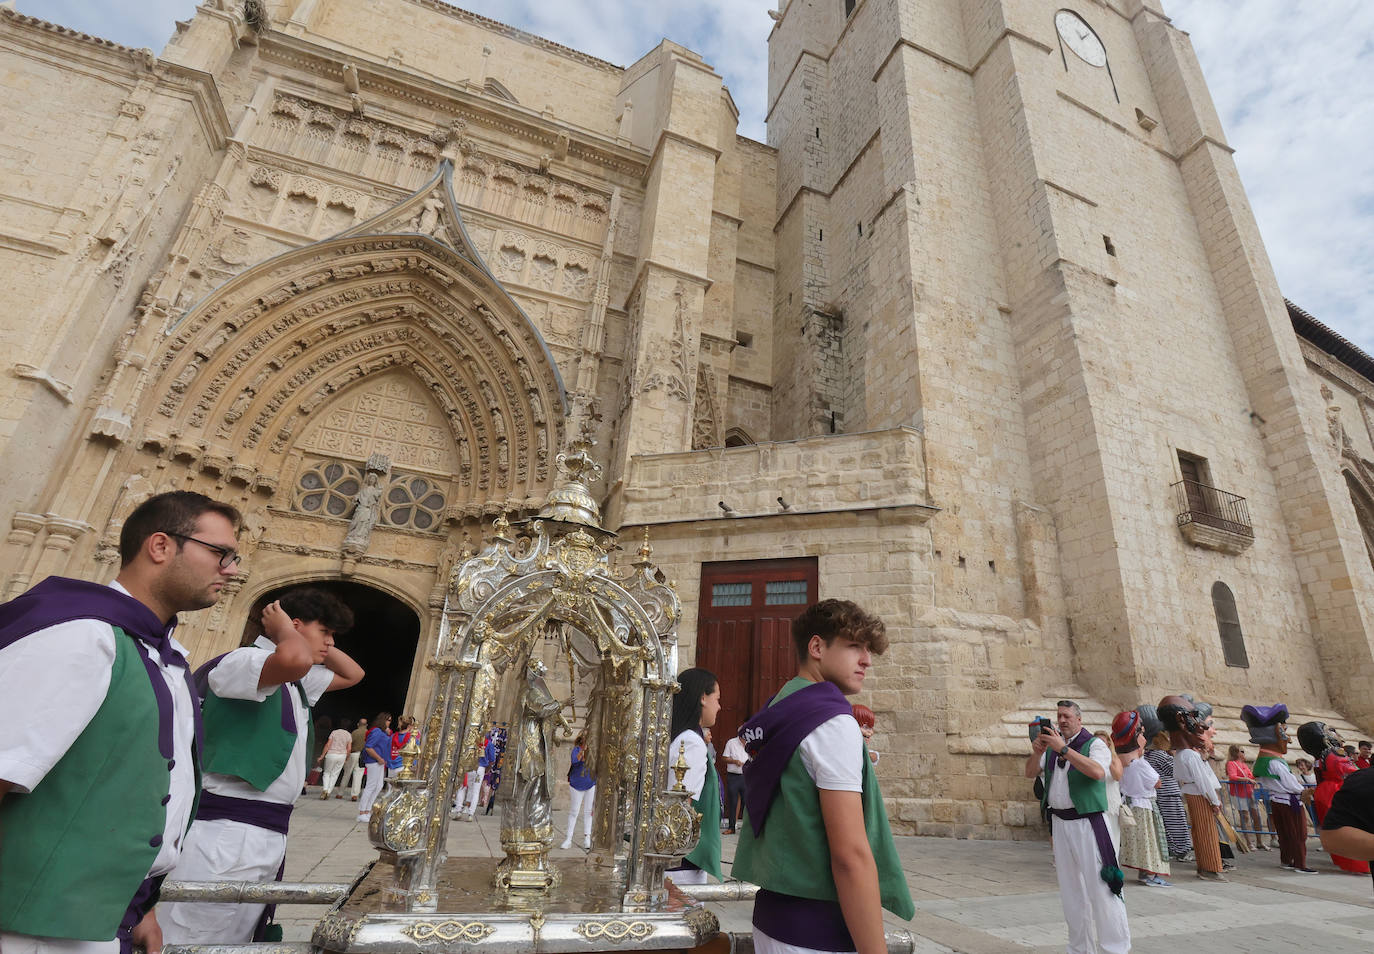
x=582, y=783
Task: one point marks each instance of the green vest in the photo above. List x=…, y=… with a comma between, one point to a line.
x=1087, y=794
x=246, y=739
x=75, y=849
x=706, y=855
x=1263, y=767
x=792, y=856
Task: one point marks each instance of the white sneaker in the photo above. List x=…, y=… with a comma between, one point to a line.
x=587, y=843
x=566, y=844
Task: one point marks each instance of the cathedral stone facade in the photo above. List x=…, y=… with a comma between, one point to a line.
x=984, y=338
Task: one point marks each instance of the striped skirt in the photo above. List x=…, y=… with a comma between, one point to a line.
x=1206, y=846
x=1176, y=827
x=1144, y=845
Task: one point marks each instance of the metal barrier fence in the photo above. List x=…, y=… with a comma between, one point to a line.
x=1260, y=826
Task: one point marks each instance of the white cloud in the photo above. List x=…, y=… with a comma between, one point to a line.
x=1294, y=86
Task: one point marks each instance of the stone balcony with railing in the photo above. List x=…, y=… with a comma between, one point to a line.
x=1213, y=518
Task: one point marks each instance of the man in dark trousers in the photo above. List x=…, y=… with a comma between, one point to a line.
x=98, y=761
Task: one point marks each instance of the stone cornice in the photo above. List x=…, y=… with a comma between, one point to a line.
x=450, y=101
x=530, y=39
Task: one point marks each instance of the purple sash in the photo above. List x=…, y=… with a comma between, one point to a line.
x=802, y=922
x=772, y=736
x=272, y=816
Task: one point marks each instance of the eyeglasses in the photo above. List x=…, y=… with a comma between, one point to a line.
x=227, y=557
x=1065, y=704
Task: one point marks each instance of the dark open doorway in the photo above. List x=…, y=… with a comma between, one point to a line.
x=383, y=640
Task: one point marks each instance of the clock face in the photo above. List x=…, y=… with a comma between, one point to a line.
x=1080, y=38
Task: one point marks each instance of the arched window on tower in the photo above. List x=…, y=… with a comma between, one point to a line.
x=1228, y=625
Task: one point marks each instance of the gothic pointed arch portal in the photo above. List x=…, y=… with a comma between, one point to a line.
x=403, y=300
x=383, y=640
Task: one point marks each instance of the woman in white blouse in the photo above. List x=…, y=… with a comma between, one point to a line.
x=695, y=708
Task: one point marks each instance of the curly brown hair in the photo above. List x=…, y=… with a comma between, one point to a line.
x=829, y=619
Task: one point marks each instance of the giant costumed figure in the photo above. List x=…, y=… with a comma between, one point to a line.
x=1269, y=730
x=1170, y=799
x=1332, y=766
x=1187, y=729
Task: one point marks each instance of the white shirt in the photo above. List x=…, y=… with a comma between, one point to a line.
x=340, y=741
x=1194, y=777
x=1138, y=782
x=734, y=749
x=1058, y=782
x=694, y=751
x=833, y=755
x=52, y=683
x=236, y=677
x=1286, y=782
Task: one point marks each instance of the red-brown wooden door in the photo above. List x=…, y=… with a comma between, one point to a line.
x=744, y=633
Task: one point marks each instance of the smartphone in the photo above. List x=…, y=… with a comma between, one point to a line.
x=1040, y=726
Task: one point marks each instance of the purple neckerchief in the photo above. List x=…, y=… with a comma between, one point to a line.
x=272, y=816
x=1076, y=743
x=774, y=733
x=61, y=600
x=288, y=715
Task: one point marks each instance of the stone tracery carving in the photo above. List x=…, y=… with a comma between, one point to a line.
x=706, y=416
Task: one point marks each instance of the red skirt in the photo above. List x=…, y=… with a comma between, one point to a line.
x=1321, y=800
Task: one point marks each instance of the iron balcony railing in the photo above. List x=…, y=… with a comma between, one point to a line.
x=1210, y=507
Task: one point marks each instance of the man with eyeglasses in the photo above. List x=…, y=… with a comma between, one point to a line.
x=98, y=761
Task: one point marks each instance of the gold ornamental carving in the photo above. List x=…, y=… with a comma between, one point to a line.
x=469, y=931
x=614, y=930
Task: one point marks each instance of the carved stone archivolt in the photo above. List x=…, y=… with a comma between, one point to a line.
x=248, y=370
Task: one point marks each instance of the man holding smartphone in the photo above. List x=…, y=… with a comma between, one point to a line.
x=1075, y=764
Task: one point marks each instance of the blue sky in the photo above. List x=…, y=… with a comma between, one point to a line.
x=1294, y=84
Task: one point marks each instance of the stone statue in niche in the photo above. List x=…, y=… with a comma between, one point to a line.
x=366, y=507
x=1333, y=419
x=426, y=221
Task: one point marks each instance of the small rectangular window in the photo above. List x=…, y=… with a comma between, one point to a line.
x=730, y=594
x=784, y=592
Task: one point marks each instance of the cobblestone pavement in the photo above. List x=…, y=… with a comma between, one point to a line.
x=977, y=897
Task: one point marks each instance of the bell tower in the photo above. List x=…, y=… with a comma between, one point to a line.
x=1019, y=227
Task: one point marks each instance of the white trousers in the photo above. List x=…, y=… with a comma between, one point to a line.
x=582, y=803
x=471, y=791
x=1086, y=899
x=763, y=944
x=220, y=850
x=27, y=944
x=354, y=773
x=376, y=775
x=333, y=765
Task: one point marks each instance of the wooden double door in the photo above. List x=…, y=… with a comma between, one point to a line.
x=744, y=633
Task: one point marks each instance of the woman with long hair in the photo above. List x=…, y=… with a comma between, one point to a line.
x=695, y=708
x=376, y=754
x=582, y=789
